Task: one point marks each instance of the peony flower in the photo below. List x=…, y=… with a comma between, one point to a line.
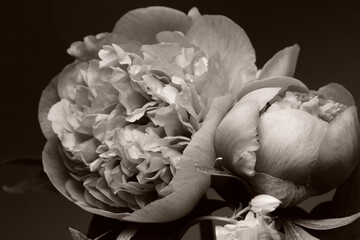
x=288, y=141
x=253, y=227
x=127, y=121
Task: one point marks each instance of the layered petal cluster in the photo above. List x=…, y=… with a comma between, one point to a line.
x=129, y=118
x=282, y=132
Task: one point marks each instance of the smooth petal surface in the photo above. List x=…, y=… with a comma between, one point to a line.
x=236, y=138
x=273, y=82
x=289, y=143
x=48, y=98
x=337, y=151
x=264, y=204
x=262, y=96
x=337, y=93
x=185, y=193
x=282, y=63
x=144, y=23
x=219, y=34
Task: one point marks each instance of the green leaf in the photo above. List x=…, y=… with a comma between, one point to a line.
x=76, y=235
x=294, y=232
x=326, y=224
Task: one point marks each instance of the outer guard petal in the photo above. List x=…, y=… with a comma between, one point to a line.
x=337, y=93
x=289, y=143
x=337, y=151
x=282, y=63
x=144, y=23
x=48, y=98
x=189, y=185
x=280, y=81
x=220, y=34
x=236, y=138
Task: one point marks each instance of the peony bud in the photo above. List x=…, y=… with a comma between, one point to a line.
x=280, y=128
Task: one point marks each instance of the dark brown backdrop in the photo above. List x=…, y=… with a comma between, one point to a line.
x=36, y=34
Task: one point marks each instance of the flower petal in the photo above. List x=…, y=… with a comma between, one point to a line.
x=48, y=98
x=188, y=184
x=337, y=151
x=236, y=138
x=219, y=34
x=185, y=193
x=289, y=143
x=337, y=93
x=282, y=63
x=280, y=81
x=262, y=96
x=144, y=23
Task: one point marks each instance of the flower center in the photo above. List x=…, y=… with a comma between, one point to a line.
x=325, y=109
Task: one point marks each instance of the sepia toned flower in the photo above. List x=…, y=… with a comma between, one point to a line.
x=127, y=121
x=281, y=130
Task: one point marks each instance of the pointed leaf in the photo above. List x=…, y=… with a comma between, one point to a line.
x=294, y=232
x=326, y=224
x=129, y=232
x=282, y=63
x=76, y=235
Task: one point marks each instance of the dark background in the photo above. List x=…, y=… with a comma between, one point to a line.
x=36, y=34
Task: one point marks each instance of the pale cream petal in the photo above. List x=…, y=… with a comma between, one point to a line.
x=273, y=82
x=219, y=34
x=338, y=93
x=262, y=96
x=289, y=143
x=144, y=23
x=48, y=98
x=337, y=151
x=282, y=63
x=236, y=138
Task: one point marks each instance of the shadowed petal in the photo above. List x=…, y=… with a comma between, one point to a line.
x=219, y=34
x=282, y=63
x=337, y=93
x=48, y=98
x=144, y=23
x=337, y=151
x=288, y=154
x=188, y=184
x=236, y=138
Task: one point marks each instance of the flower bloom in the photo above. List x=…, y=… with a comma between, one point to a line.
x=281, y=130
x=253, y=227
x=129, y=118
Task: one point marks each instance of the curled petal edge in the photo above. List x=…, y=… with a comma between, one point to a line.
x=48, y=98
x=189, y=185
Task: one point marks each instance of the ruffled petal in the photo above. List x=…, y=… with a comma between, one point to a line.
x=337, y=151
x=188, y=184
x=282, y=63
x=236, y=138
x=219, y=34
x=337, y=93
x=289, y=143
x=48, y=98
x=144, y=23
x=262, y=96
